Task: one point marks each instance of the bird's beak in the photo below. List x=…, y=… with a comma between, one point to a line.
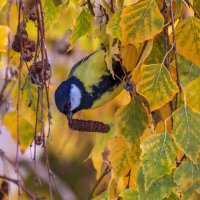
x=69, y=116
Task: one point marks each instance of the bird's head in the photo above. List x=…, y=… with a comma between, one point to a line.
x=68, y=98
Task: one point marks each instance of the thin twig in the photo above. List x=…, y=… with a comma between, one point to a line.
x=90, y=8
x=106, y=171
x=190, y=5
x=18, y=96
x=17, y=182
x=166, y=45
x=166, y=36
x=129, y=178
x=174, y=47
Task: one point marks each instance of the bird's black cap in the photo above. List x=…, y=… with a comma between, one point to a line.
x=62, y=97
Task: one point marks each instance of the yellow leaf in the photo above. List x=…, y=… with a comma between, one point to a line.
x=165, y=114
x=120, y=156
x=112, y=188
x=26, y=129
x=116, y=186
x=129, y=2
x=97, y=161
x=1, y=63
x=141, y=22
x=129, y=56
x=2, y=3
x=192, y=94
x=99, y=147
x=145, y=53
x=156, y=85
x=112, y=50
x=188, y=44
x=4, y=30
x=132, y=180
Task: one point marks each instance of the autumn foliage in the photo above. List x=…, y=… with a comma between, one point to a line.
x=152, y=150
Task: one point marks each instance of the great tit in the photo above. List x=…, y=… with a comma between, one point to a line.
x=89, y=85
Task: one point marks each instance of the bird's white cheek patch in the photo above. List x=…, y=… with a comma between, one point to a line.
x=75, y=97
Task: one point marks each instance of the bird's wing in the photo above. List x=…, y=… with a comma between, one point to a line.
x=73, y=69
x=91, y=70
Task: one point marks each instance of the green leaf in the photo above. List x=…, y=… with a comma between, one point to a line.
x=26, y=129
x=188, y=71
x=129, y=194
x=196, y=5
x=187, y=130
x=156, y=85
x=178, y=7
x=131, y=120
x=112, y=50
x=160, y=189
x=141, y=22
x=192, y=94
x=188, y=45
x=51, y=12
x=120, y=156
x=187, y=178
x=140, y=183
x=173, y=196
x=113, y=27
x=157, y=53
x=82, y=26
x=158, y=157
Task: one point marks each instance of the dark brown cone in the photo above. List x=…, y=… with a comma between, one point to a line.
x=88, y=126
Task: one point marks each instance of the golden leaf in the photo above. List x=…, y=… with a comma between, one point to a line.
x=141, y=22
x=145, y=53
x=26, y=129
x=188, y=44
x=4, y=30
x=129, y=56
x=192, y=94
x=120, y=156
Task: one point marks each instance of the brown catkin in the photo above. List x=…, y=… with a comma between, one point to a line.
x=88, y=126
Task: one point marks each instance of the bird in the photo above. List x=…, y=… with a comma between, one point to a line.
x=89, y=85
